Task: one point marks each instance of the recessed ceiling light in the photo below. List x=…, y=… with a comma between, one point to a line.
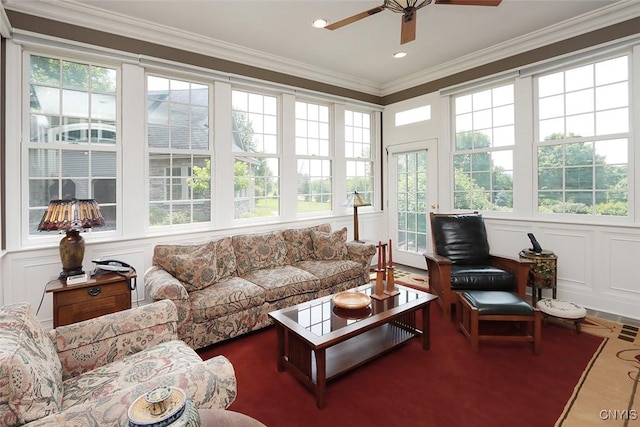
x=319, y=23
x=400, y=54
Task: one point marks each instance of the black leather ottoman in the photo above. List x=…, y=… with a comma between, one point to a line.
x=474, y=307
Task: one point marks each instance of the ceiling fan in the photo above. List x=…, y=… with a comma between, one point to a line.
x=409, y=9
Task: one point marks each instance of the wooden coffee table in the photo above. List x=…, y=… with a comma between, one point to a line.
x=317, y=341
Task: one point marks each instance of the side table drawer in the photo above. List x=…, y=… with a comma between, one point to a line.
x=85, y=303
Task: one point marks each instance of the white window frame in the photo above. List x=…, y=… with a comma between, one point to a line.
x=63, y=55
x=277, y=155
x=633, y=77
x=202, y=153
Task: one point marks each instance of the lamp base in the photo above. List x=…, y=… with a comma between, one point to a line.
x=71, y=254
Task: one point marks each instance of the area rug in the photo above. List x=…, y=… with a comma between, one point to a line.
x=501, y=385
x=608, y=392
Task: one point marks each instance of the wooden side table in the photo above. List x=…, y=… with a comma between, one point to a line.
x=102, y=294
x=543, y=273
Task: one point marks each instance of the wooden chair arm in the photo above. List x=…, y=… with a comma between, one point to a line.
x=516, y=266
x=438, y=259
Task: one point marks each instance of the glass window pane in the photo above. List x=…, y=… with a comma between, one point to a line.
x=580, y=102
x=612, y=121
x=612, y=70
x=75, y=76
x=551, y=84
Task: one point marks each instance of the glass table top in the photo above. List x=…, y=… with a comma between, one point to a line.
x=321, y=316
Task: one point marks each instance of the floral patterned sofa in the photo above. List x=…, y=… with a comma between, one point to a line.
x=226, y=287
x=88, y=373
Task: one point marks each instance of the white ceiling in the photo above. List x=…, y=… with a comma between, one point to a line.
x=279, y=33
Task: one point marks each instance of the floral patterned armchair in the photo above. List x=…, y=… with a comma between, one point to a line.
x=88, y=373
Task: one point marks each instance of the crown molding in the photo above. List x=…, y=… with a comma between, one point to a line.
x=5, y=25
x=615, y=13
x=74, y=13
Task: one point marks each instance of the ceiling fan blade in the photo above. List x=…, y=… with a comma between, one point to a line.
x=354, y=18
x=408, y=32
x=470, y=2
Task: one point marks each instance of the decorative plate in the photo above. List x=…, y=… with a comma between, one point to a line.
x=173, y=400
x=354, y=300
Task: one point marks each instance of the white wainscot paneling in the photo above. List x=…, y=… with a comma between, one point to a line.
x=26, y=278
x=624, y=253
x=575, y=260
x=133, y=255
x=507, y=241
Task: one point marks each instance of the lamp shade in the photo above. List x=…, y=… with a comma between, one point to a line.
x=71, y=216
x=355, y=200
x=77, y=214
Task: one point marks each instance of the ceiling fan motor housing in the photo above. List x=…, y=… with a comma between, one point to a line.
x=405, y=6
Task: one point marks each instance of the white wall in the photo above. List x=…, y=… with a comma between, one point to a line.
x=596, y=263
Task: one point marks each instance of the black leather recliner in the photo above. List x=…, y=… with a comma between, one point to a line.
x=462, y=261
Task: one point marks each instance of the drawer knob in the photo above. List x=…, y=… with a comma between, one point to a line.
x=95, y=291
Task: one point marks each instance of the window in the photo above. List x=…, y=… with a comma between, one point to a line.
x=256, y=150
x=358, y=153
x=483, y=157
x=414, y=115
x=583, y=139
x=72, y=135
x=179, y=151
x=313, y=153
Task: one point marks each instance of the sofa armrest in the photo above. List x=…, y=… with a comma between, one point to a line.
x=362, y=253
x=159, y=284
x=86, y=345
x=210, y=384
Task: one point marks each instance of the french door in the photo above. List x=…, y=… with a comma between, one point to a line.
x=412, y=195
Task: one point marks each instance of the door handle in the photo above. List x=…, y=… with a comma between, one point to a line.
x=95, y=291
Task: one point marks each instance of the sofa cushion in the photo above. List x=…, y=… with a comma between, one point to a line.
x=194, y=265
x=30, y=371
x=332, y=272
x=229, y=295
x=299, y=244
x=330, y=245
x=226, y=257
x=258, y=251
x=120, y=376
x=283, y=282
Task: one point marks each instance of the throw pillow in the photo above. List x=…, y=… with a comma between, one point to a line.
x=330, y=246
x=299, y=243
x=257, y=251
x=193, y=265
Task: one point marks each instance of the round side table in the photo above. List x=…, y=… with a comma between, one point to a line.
x=226, y=418
x=543, y=273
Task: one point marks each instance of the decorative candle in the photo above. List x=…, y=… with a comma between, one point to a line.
x=390, y=254
x=379, y=266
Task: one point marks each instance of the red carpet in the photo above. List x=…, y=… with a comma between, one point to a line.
x=503, y=384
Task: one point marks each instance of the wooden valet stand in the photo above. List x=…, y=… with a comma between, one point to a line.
x=385, y=285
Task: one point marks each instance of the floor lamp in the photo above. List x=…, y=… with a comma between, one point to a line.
x=355, y=201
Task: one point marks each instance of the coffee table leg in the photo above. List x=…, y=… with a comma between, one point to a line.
x=280, y=333
x=426, y=328
x=321, y=376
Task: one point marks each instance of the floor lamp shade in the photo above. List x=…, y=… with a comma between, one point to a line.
x=71, y=216
x=355, y=200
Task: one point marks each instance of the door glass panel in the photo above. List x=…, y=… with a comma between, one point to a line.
x=411, y=197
